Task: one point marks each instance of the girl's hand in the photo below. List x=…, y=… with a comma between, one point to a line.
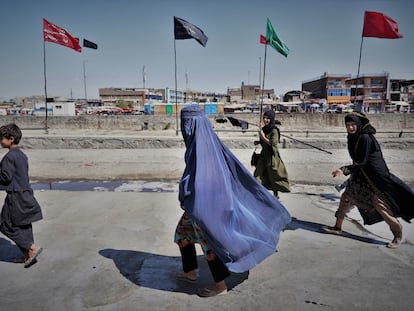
x=262, y=135
x=336, y=172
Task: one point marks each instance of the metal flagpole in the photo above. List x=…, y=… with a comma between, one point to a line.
x=84, y=81
x=263, y=83
x=44, y=73
x=356, y=80
x=176, y=97
x=260, y=71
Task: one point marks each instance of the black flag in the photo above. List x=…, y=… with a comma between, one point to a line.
x=186, y=30
x=89, y=44
x=237, y=122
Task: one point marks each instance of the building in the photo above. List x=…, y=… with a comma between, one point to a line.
x=249, y=93
x=370, y=93
x=400, y=96
x=331, y=87
x=56, y=108
x=129, y=96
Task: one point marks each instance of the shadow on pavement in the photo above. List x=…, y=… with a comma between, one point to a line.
x=317, y=227
x=158, y=271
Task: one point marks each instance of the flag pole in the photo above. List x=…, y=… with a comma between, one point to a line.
x=356, y=80
x=263, y=83
x=44, y=74
x=176, y=97
x=84, y=82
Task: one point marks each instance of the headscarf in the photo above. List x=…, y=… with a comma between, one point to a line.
x=269, y=127
x=363, y=127
x=240, y=219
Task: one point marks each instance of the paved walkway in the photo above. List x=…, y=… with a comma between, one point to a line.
x=114, y=251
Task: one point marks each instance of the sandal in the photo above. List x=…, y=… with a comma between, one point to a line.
x=19, y=259
x=211, y=292
x=395, y=243
x=32, y=257
x=184, y=277
x=332, y=230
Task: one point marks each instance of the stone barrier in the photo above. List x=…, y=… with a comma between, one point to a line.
x=297, y=121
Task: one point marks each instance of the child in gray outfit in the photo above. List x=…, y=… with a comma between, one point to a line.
x=20, y=207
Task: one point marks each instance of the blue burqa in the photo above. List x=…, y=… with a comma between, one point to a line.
x=241, y=220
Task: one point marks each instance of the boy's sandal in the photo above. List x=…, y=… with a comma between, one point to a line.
x=32, y=257
x=20, y=259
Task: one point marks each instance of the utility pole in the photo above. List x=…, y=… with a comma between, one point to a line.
x=144, y=76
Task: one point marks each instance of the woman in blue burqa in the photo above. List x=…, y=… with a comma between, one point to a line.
x=234, y=218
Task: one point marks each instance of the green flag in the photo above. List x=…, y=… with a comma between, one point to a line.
x=274, y=40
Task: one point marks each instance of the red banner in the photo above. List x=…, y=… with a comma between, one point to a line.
x=379, y=25
x=58, y=35
x=263, y=40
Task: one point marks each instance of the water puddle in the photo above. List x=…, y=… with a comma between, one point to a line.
x=107, y=186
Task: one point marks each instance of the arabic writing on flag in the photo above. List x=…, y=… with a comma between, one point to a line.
x=58, y=35
x=379, y=25
x=89, y=44
x=186, y=30
x=274, y=41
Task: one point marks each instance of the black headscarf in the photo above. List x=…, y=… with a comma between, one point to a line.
x=269, y=127
x=272, y=125
x=363, y=127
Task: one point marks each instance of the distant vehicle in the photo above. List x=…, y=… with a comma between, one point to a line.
x=333, y=109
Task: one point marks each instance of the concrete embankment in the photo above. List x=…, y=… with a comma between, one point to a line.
x=146, y=132
x=299, y=121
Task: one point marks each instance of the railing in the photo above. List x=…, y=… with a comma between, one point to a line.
x=308, y=133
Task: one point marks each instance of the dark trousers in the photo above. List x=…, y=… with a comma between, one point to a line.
x=189, y=260
x=21, y=235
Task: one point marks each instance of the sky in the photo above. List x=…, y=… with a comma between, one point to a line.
x=322, y=35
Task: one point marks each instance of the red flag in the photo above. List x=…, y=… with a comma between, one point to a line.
x=378, y=25
x=58, y=35
x=263, y=40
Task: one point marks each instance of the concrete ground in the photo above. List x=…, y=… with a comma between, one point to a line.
x=115, y=251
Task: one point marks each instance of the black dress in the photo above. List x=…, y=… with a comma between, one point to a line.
x=370, y=176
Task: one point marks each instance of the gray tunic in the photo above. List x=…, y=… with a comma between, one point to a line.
x=20, y=206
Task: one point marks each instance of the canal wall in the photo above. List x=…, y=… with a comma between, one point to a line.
x=298, y=121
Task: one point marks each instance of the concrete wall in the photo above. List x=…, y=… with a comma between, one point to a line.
x=317, y=121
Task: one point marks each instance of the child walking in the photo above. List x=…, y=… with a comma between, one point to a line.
x=20, y=207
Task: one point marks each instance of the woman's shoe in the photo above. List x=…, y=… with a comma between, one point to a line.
x=184, y=277
x=332, y=230
x=211, y=292
x=395, y=243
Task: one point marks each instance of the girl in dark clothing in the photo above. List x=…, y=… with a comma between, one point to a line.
x=270, y=170
x=378, y=194
x=20, y=207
